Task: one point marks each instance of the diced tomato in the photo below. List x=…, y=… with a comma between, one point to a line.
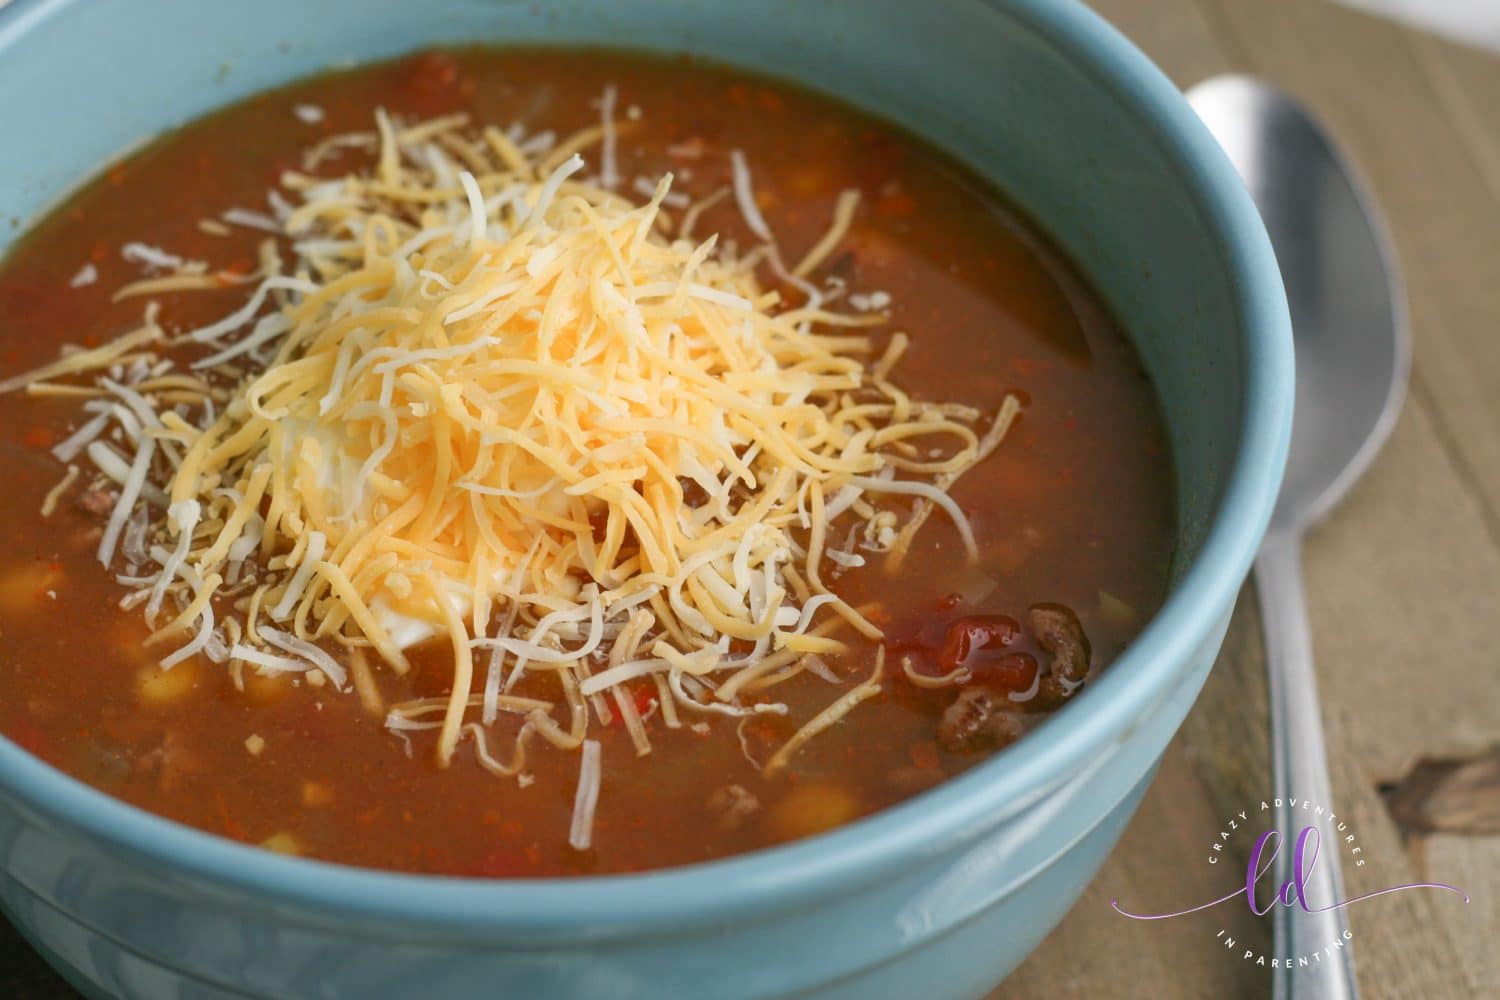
x=232, y=827
x=924, y=754
x=971, y=637
x=921, y=635
x=1009, y=671
x=896, y=203
x=231, y=275
x=644, y=697
x=978, y=644
x=599, y=523
x=430, y=82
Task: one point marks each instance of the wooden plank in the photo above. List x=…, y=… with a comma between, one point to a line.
x=1466, y=83
x=1471, y=862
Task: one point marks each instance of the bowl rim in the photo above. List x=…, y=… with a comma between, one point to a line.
x=940, y=820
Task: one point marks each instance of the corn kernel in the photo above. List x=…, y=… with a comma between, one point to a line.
x=155, y=686
x=812, y=807
x=282, y=843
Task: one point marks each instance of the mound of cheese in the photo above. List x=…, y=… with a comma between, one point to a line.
x=493, y=403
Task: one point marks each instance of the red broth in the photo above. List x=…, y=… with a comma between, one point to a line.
x=1075, y=509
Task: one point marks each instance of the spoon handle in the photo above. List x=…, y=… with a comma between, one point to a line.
x=1299, y=766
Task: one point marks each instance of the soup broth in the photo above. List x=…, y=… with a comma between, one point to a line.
x=1072, y=514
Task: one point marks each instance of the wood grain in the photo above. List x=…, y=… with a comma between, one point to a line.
x=1447, y=795
x=1403, y=581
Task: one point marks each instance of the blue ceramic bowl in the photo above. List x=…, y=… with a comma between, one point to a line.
x=939, y=897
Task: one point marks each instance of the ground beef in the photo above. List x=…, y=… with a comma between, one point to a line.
x=1050, y=695
x=980, y=718
x=1059, y=632
x=98, y=501
x=733, y=804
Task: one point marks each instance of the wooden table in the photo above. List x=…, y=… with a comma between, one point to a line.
x=1404, y=581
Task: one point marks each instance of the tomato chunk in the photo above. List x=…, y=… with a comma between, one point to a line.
x=1008, y=671
x=645, y=698
x=430, y=82
x=970, y=638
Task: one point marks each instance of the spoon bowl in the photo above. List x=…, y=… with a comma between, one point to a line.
x=1342, y=284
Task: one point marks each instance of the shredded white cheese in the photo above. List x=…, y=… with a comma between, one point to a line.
x=251, y=220
x=744, y=196
x=155, y=257
x=609, y=172
x=586, y=799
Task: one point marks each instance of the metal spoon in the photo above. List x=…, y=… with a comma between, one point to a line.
x=1353, y=355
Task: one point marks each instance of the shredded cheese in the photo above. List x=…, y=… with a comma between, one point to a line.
x=156, y=258
x=586, y=800
x=492, y=404
x=829, y=716
x=744, y=196
x=49, y=502
x=609, y=172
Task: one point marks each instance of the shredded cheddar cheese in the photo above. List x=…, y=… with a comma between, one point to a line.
x=493, y=403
